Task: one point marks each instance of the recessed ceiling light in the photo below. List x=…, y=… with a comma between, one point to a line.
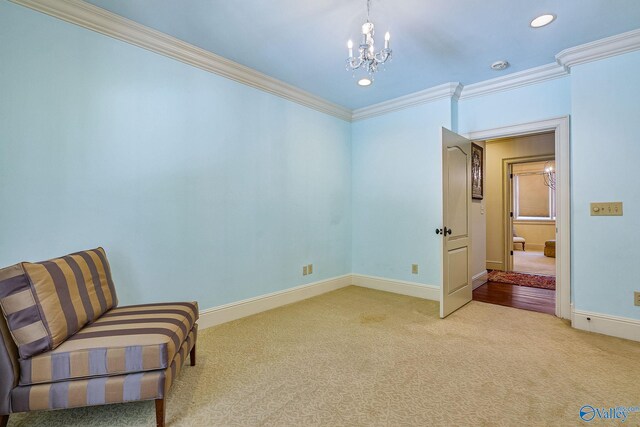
x=365, y=81
x=542, y=20
x=499, y=65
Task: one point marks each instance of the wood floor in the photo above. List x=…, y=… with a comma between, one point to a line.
x=526, y=298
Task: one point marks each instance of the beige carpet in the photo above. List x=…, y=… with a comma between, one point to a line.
x=359, y=357
x=533, y=262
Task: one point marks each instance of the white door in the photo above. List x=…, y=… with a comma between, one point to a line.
x=456, y=288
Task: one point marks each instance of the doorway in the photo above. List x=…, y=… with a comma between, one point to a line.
x=555, y=301
x=520, y=217
x=532, y=219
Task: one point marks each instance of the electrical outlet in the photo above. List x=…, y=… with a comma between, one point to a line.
x=414, y=268
x=310, y=268
x=304, y=270
x=636, y=298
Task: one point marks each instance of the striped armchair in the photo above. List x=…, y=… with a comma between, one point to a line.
x=65, y=342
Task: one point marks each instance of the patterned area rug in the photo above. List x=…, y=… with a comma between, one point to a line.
x=523, y=279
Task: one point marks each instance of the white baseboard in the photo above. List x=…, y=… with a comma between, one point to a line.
x=480, y=279
x=236, y=310
x=397, y=286
x=621, y=327
x=226, y=313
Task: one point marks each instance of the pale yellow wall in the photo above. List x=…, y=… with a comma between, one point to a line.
x=479, y=231
x=495, y=152
x=535, y=234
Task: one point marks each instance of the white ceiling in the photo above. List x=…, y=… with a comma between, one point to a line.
x=303, y=43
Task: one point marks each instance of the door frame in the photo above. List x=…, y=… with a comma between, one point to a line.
x=507, y=202
x=561, y=128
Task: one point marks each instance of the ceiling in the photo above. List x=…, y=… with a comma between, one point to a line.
x=303, y=43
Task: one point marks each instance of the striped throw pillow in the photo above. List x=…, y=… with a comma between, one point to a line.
x=47, y=302
x=20, y=309
x=72, y=291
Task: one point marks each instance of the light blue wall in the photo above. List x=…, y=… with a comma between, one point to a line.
x=535, y=102
x=602, y=99
x=605, y=124
x=197, y=187
x=397, y=193
x=397, y=178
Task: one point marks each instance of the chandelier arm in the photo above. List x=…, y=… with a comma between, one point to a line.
x=382, y=56
x=549, y=176
x=354, y=63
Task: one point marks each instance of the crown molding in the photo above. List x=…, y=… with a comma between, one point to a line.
x=600, y=49
x=514, y=80
x=94, y=18
x=447, y=90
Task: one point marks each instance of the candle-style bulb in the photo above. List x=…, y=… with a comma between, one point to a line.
x=387, y=36
x=350, y=46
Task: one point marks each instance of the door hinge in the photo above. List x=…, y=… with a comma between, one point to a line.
x=511, y=214
x=510, y=176
x=511, y=253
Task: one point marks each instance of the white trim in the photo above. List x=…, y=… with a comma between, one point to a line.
x=102, y=21
x=548, y=125
x=412, y=289
x=236, y=310
x=514, y=80
x=622, y=327
x=600, y=49
x=480, y=279
x=94, y=18
x=560, y=126
x=447, y=90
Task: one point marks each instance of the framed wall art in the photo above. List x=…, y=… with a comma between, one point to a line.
x=477, y=178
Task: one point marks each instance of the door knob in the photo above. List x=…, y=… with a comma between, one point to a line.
x=447, y=231
x=439, y=230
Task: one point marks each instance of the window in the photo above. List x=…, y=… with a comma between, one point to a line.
x=533, y=200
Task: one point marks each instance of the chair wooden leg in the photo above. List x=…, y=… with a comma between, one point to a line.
x=4, y=420
x=160, y=412
x=193, y=355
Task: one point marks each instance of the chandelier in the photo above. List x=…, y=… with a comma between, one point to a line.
x=549, y=175
x=367, y=58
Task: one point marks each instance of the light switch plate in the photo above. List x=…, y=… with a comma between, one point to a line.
x=310, y=268
x=606, y=209
x=414, y=268
x=636, y=298
x=304, y=270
